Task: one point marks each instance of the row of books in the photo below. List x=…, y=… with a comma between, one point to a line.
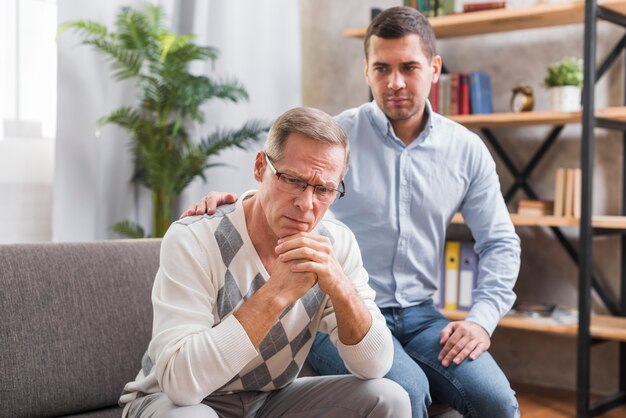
x=432, y=8
x=567, y=192
x=567, y=197
x=462, y=93
x=459, y=276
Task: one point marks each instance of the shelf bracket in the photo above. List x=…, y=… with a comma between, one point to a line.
x=610, y=16
x=521, y=181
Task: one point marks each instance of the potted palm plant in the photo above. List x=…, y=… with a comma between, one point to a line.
x=166, y=159
x=565, y=80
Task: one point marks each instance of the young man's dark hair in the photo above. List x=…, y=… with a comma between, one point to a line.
x=397, y=22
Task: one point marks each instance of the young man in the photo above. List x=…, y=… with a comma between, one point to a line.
x=240, y=295
x=410, y=171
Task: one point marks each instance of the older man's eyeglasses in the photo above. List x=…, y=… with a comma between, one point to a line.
x=295, y=185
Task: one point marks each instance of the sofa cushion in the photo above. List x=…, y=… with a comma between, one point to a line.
x=113, y=412
x=76, y=320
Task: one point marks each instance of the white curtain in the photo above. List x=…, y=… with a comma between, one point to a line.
x=259, y=44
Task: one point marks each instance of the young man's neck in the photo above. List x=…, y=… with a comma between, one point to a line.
x=408, y=129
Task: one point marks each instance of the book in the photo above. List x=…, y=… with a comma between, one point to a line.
x=576, y=204
x=454, y=94
x=559, y=192
x=444, y=94
x=488, y=5
x=451, y=286
x=447, y=6
x=464, y=94
x=535, y=207
x=480, y=93
x=569, y=193
x=535, y=203
x=534, y=212
x=468, y=275
x=434, y=97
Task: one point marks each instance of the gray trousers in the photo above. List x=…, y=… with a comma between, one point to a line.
x=306, y=397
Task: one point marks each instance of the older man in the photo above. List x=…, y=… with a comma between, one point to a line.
x=241, y=294
x=411, y=170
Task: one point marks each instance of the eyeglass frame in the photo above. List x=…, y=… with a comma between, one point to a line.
x=278, y=174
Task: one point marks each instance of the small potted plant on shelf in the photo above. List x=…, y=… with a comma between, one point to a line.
x=565, y=81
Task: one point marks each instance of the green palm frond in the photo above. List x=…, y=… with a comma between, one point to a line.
x=125, y=117
x=229, y=89
x=134, y=31
x=154, y=16
x=128, y=229
x=173, y=42
x=221, y=139
x=171, y=97
x=86, y=28
x=184, y=53
x=126, y=63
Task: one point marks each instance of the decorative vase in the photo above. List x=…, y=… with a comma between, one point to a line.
x=565, y=98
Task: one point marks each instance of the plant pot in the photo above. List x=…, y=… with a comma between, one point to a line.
x=565, y=98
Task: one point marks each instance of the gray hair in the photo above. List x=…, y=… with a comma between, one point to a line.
x=309, y=122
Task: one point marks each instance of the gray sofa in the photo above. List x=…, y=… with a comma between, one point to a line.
x=76, y=320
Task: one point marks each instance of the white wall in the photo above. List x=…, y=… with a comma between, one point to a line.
x=26, y=171
x=259, y=44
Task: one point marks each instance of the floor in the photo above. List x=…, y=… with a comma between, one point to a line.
x=538, y=402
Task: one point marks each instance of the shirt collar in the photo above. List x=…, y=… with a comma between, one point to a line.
x=379, y=119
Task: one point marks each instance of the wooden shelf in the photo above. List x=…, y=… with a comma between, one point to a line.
x=508, y=19
x=509, y=119
x=602, y=326
x=609, y=222
x=600, y=222
x=528, y=220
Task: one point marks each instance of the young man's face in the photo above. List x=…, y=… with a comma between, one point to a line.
x=400, y=76
x=286, y=212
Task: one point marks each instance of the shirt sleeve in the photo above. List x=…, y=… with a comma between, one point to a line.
x=497, y=244
x=192, y=356
x=371, y=357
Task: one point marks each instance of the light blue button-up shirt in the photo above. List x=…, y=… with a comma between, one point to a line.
x=400, y=200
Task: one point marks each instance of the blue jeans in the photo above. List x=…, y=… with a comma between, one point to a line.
x=476, y=388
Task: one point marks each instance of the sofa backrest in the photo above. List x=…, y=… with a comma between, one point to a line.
x=75, y=320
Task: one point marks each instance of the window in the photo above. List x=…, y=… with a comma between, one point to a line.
x=28, y=68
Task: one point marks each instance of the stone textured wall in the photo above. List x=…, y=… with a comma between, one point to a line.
x=333, y=80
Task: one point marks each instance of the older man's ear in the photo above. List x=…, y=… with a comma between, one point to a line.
x=259, y=166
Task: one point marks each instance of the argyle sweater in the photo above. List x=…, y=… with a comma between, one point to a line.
x=208, y=268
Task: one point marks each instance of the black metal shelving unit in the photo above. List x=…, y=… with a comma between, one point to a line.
x=584, y=408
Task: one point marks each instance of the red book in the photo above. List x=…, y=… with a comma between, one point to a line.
x=477, y=7
x=434, y=97
x=455, y=85
x=464, y=99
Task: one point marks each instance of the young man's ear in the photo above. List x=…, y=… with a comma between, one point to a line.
x=259, y=166
x=437, y=65
x=366, y=72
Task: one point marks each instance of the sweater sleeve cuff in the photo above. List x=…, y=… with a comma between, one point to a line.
x=372, y=356
x=233, y=343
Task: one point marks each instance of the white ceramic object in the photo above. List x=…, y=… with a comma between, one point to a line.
x=565, y=98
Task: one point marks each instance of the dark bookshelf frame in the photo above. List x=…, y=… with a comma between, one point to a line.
x=584, y=407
